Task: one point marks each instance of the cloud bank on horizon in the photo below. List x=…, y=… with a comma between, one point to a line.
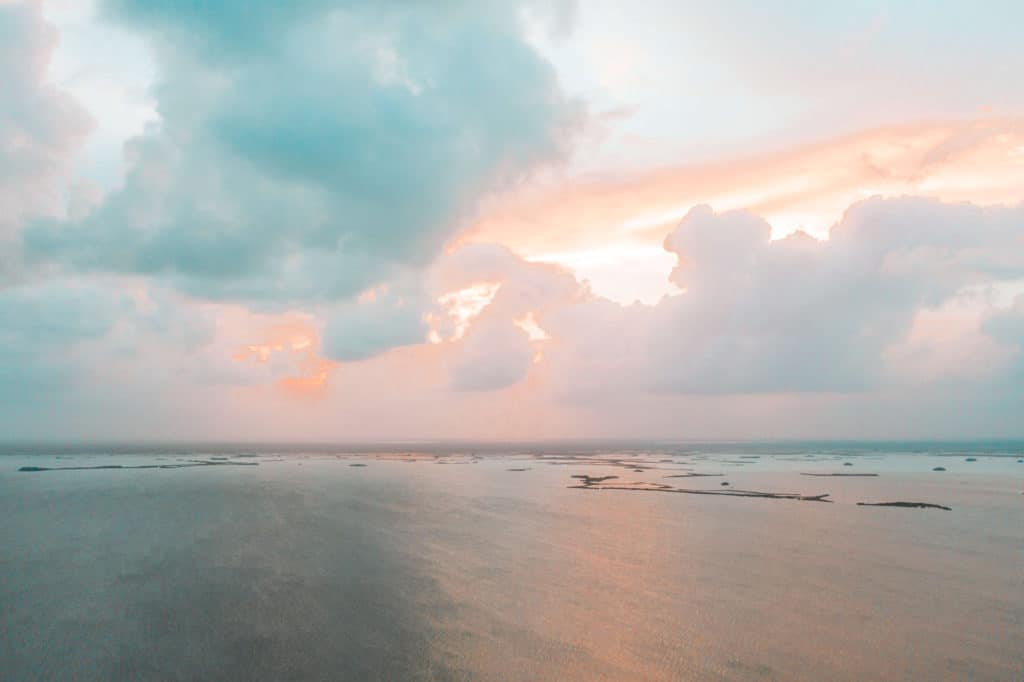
x=332, y=219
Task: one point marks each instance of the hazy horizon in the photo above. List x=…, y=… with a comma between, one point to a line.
x=375, y=444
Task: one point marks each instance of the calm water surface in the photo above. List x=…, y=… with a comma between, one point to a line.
x=306, y=567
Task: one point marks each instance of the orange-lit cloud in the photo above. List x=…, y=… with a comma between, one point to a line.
x=610, y=228
x=464, y=305
x=297, y=342
x=528, y=323
x=312, y=380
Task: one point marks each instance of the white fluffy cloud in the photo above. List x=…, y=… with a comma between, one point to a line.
x=887, y=319
x=795, y=314
x=492, y=356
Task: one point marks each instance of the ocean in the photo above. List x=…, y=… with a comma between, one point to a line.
x=532, y=561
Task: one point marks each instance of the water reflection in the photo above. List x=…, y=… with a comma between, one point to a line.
x=307, y=568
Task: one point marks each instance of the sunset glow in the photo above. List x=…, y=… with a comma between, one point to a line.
x=464, y=305
x=554, y=340
x=596, y=219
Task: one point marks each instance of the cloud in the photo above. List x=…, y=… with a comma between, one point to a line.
x=290, y=222
x=40, y=126
x=41, y=328
x=320, y=158
x=494, y=355
x=1007, y=327
x=757, y=315
x=62, y=340
x=484, y=287
x=524, y=287
x=119, y=357
x=362, y=329
x=587, y=223
x=497, y=352
x=892, y=327
x=789, y=315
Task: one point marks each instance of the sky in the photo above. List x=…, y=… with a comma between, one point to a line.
x=511, y=220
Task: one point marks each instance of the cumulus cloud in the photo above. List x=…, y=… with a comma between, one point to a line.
x=308, y=151
x=40, y=126
x=524, y=287
x=756, y=315
x=363, y=329
x=498, y=351
x=285, y=223
x=794, y=314
x=484, y=288
x=494, y=355
x=610, y=227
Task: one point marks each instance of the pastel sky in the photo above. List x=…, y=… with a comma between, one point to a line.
x=345, y=220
